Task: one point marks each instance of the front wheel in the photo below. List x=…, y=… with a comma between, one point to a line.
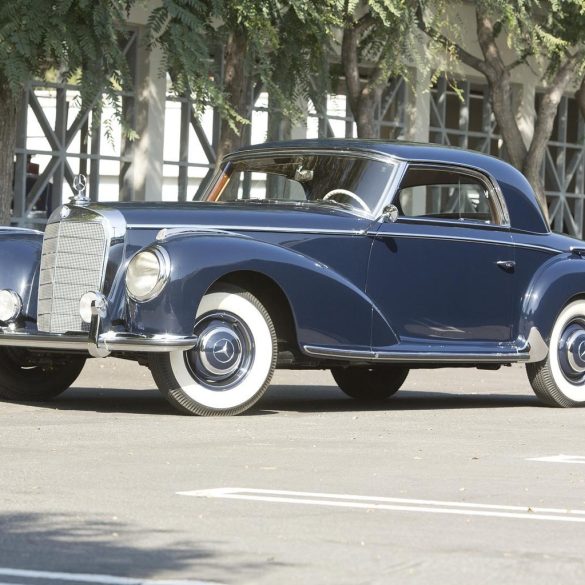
x=233, y=362
x=25, y=378
x=559, y=380
x=370, y=384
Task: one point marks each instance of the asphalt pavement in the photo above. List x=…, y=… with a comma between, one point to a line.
x=460, y=478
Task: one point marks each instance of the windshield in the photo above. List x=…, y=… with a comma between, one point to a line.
x=348, y=182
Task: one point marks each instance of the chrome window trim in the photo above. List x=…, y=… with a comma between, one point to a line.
x=386, y=194
x=486, y=178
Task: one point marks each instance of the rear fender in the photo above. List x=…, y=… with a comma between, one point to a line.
x=555, y=283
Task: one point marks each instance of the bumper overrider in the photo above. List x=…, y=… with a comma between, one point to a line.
x=96, y=342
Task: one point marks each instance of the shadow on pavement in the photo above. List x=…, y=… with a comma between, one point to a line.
x=331, y=399
x=286, y=398
x=69, y=544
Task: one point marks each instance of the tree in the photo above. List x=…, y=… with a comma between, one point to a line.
x=547, y=35
x=222, y=53
x=374, y=34
x=74, y=38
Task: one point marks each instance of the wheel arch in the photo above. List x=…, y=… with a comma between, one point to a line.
x=556, y=284
x=274, y=299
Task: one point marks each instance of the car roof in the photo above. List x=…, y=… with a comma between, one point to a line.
x=523, y=207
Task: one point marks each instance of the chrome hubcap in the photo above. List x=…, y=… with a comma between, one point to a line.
x=571, y=351
x=224, y=353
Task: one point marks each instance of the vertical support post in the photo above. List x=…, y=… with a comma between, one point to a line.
x=20, y=167
x=94, y=165
x=184, y=149
x=125, y=181
x=60, y=134
x=464, y=116
x=216, y=130
x=147, y=165
x=418, y=108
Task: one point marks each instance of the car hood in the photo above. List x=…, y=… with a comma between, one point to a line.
x=238, y=216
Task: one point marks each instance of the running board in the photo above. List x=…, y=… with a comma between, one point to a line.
x=532, y=350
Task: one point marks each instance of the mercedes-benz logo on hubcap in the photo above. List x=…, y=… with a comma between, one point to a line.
x=223, y=351
x=581, y=351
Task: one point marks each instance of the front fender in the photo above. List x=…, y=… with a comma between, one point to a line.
x=20, y=256
x=327, y=308
x=553, y=285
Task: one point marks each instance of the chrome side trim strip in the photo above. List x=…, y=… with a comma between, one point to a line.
x=18, y=229
x=223, y=230
x=107, y=342
x=510, y=243
x=166, y=233
x=419, y=357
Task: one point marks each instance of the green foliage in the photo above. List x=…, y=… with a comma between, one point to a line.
x=386, y=37
x=548, y=32
x=79, y=39
x=287, y=44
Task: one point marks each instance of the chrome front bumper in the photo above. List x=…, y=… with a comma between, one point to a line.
x=99, y=345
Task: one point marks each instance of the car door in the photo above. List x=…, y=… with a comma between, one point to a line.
x=443, y=272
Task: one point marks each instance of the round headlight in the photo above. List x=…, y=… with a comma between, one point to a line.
x=10, y=305
x=147, y=274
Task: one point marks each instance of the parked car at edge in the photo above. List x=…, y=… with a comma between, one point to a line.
x=366, y=258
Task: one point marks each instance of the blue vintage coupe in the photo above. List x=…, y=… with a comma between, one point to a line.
x=362, y=257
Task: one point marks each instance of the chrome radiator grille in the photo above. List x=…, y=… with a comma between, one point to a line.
x=72, y=263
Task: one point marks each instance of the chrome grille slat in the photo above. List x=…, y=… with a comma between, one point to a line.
x=72, y=263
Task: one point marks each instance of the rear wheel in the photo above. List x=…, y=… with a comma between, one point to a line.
x=233, y=362
x=370, y=384
x=22, y=380
x=559, y=380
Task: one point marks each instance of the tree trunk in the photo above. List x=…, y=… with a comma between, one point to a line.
x=236, y=85
x=500, y=86
x=503, y=107
x=362, y=98
x=8, y=119
x=365, y=120
x=545, y=120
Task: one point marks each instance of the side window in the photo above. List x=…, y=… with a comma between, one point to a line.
x=446, y=194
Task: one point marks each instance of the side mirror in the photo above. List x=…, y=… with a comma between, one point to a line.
x=389, y=214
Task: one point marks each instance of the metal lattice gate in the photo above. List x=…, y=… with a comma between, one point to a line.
x=68, y=146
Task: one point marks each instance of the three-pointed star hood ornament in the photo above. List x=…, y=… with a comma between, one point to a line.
x=79, y=185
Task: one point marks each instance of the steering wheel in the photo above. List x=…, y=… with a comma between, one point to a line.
x=349, y=194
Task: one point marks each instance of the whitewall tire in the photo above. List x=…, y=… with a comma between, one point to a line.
x=559, y=380
x=232, y=365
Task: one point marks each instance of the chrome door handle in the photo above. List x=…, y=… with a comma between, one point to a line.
x=507, y=265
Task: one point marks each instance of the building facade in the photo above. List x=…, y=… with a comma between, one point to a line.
x=175, y=152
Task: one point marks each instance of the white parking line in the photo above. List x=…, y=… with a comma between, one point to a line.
x=395, y=504
x=559, y=459
x=92, y=578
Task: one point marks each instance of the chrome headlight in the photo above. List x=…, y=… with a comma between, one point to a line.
x=147, y=274
x=10, y=305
